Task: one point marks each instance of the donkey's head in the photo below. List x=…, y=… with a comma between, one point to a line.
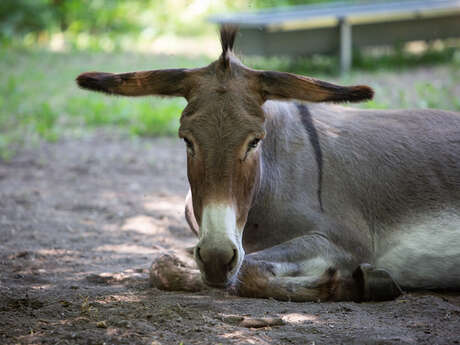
x=222, y=126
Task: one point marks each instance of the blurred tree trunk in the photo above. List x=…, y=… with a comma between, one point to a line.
x=59, y=8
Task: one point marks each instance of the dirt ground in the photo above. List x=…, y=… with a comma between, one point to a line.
x=80, y=222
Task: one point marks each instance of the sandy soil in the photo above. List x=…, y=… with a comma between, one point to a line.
x=80, y=222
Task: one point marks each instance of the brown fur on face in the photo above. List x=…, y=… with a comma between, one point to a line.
x=220, y=121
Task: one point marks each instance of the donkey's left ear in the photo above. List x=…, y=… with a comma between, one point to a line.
x=280, y=85
x=165, y=82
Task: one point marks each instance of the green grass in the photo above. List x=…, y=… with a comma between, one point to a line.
x=40, y=100
x=398, y=58
x=148, y=117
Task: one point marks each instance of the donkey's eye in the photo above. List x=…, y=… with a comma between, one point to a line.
x=253, y=144
x=189, y=145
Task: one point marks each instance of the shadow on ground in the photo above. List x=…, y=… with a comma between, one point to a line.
x=80, y=222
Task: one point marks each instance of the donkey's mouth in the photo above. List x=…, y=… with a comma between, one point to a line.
x=220, y=279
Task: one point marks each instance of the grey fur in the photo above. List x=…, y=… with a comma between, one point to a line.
x=383, y=171
x=307, y=122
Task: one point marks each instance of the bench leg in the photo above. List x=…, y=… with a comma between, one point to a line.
x=345, y=46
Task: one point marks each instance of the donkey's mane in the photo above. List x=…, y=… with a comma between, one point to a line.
x=227, y=39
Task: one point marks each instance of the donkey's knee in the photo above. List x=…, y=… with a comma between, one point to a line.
x=253, y=279
x=260, y=279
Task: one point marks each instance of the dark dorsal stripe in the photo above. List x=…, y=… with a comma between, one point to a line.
x=307, y=122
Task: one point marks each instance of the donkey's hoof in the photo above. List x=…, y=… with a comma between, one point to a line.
x=168, y=272
x=375, y=284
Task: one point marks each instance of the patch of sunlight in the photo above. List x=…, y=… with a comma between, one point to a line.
x=119, y=298
x=42, y=286
x=57, y=42
x=55, y=251
x=124, y=249
x=244, y=334
x=175, y=205
x=142, y=224
x=120, y=276
x=299, y=318
x=417, y=47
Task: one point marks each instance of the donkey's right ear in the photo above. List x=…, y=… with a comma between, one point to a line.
x=165, y=82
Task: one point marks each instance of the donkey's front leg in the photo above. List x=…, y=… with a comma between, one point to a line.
x=312, y=268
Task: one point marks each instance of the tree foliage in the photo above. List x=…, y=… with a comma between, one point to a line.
x=284, y=3
x=118, y=16
x=93, y=16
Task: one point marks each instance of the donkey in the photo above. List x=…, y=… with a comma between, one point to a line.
x=295, y=198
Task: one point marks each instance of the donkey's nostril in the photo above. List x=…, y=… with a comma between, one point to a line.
x=233, y=260
x=198, y=255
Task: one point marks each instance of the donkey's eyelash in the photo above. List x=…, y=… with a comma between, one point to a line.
x=188, y=143
x=253, y=144
x=190, y=148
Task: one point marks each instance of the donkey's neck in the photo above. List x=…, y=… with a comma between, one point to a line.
x=287, y=195
x=288, y=157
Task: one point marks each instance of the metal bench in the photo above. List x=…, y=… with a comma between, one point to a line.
x=326, y=27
